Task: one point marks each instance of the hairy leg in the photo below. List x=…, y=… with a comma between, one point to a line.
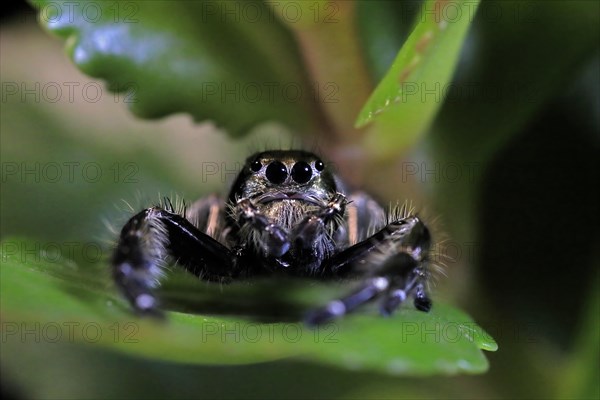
x=392, y=265
x=145, y=242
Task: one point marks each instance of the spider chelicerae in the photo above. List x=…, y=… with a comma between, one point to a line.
x=286, y=213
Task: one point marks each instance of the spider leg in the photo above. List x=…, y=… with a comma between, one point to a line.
x=274, y=239
x=341, y=264
x=407, y=280
x=395, y=257
x=205, y=215
x=145, y=242
x=422, y=301
x=337, y=308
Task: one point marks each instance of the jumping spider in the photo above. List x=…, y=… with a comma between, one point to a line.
x=286, y=213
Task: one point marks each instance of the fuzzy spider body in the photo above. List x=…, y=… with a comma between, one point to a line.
x=286, y=213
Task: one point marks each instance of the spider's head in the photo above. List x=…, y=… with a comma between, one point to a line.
x=284, y=175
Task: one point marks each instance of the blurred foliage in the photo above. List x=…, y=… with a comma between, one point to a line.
x=522, y=109
x=156, y=52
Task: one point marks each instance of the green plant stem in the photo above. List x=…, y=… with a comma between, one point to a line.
x=328, y=41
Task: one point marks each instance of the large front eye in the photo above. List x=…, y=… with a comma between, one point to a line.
x=276, y=172
x=301, y=172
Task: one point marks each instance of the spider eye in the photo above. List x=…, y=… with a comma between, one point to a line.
x=301, y=172
x=319, y=166
x=276, y=172
x=256, y=165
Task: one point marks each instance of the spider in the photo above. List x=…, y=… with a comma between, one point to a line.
x=286, y=213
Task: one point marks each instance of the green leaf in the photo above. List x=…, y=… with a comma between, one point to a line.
x=408, y=97
x=81, y=304
x=201, y=58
